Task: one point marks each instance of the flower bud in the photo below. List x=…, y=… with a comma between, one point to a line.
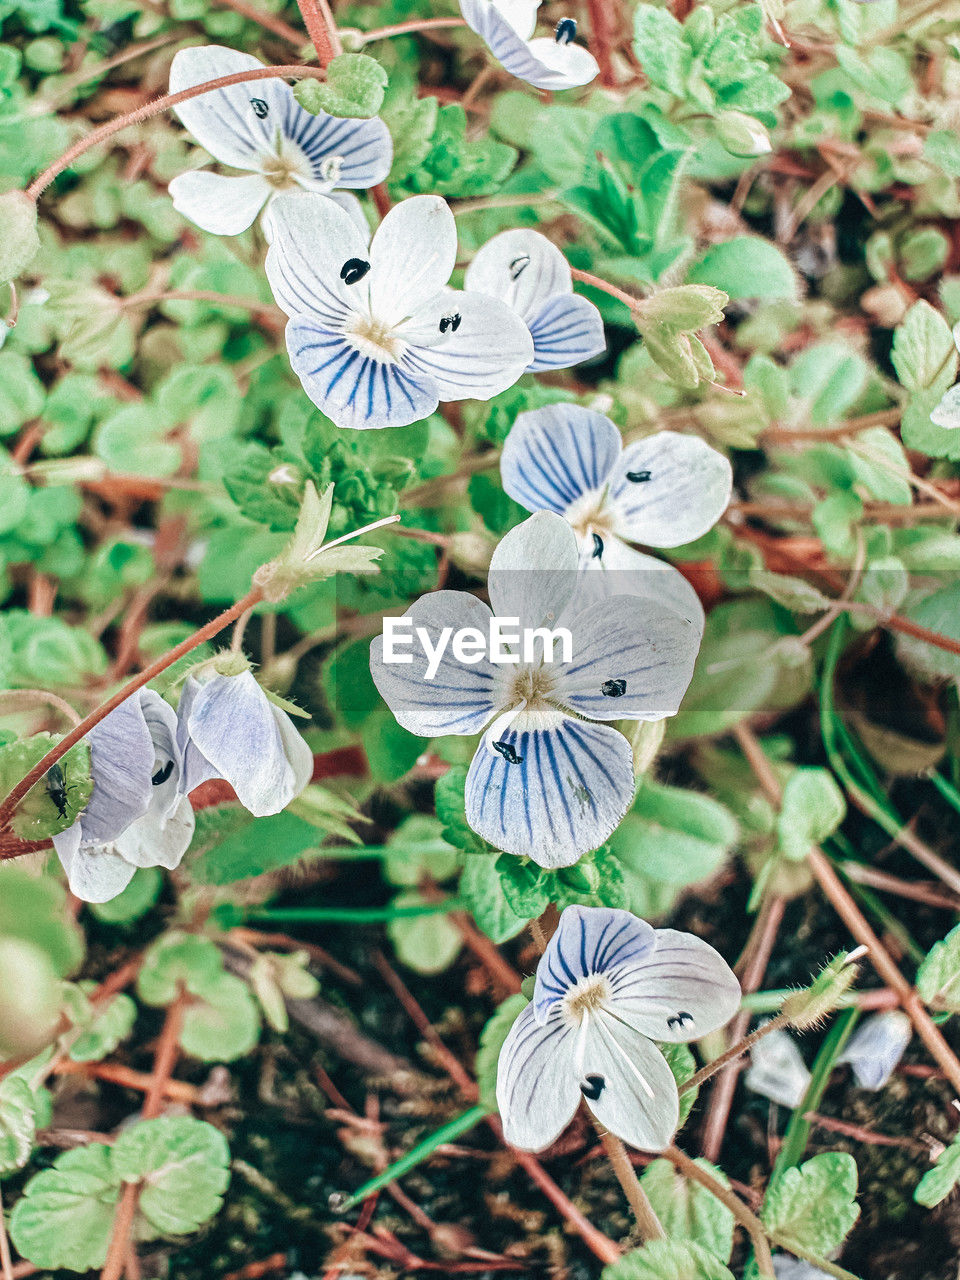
x=808, y=1007
x=20, y=242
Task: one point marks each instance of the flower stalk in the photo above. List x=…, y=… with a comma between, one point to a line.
x=648, y=1224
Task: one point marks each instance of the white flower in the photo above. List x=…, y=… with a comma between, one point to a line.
x=260, y=127
x=375, y=335
x=531, y=274
x=876, y=1047
x=546, y=780
x=608, y=986
x=549, y=62
x=777, y=1070
x=228, y=728
x=137, y=815
x=662, y=491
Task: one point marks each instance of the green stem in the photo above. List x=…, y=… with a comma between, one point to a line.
x=448, y=1132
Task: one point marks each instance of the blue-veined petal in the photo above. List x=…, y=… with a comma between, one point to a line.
x=554, y=456
x=537, y=1088
x=469, y=345
x=533, y=571
x=876, y=1047
x=522, y=268
x=412, y=255
x=461, y=697
x=633, y=659
x=566, y=330
x=669, y=489
x=311, y=239
x=554, y=790
x=588, y=941
x=637, y=1093
x=352, y=388
x=235, y=124
x=777, y=1070
x=681, y=990
x=543, y=63
x=122, y=766
x=621, y=570
x=95, y=872
x=222, y=206
x=342, y=152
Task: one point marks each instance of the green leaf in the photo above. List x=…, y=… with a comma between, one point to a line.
x=37, y=815
x=354, y=88
x=260, y=845
x=18, y=217
x=924, y=354
x=183, y=1166
x=452, y=812
x=494, y=1033
x=482, y=891
x=937, y=1183
x=17, y=1123
x=135, y=900
x=65, y=1216
x=942, y=148
x=224, y=1023
x=21, y=391
x=427, y=944
x=178, y=960
x=938, y=978
x=35, y=910
x=659, y=44
x=111, y=1023
x=668, y=1260
x=815, y=1205
x=746, y=267
x=687, y=1211
x=812, y=809
x=682, y=1063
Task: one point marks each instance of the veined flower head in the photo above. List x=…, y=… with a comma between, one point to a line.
x=548, y=62
x=876, y=1046
x=547, y=780
x=259, y=126
x=609, y=986
x=531, y=274
x=375, y=335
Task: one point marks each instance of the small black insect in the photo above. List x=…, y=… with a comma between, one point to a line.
x=57, y=788
x=508, y=753
x=592, y=1087
x=162, y=774
x=354, y=269
x=565, y=31
x=680, y=1019
x=638, y=477
x=613, y=688
x=597, y=546
x=451, y=322
x=260, y=108
x=519, y=265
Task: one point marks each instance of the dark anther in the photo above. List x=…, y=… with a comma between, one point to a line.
x=638, y=477
x=260, y=108
x=613, y=688
x=592, y=1087
x=354, y=269
x=519, y=265
x=566, y=30
x=450, y=322
x=56, y=787
x=680, y=1019
x=597, y=546
x=508, y=753
x=162, y=774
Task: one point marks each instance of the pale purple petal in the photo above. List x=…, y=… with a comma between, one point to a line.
x=588, y=941
x=537, y=1088
x=554, y=456
x=629, y=1086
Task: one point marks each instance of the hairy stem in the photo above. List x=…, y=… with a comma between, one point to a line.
x=648, y=1224
x=322, y=29
x=412, y=28
x=745, y=1216
x=735, y=1051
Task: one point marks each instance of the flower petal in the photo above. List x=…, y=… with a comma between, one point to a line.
x=621, y=570
x=522, y=268
x=681, y=990
x=158, y=839
x=311, y=237
x=555, y=790
x=876, y=1047
x=232, y=724
x=353, y=389
x=554, y=456
x=229, y=123
x=561, y=66
x=342, y=152
x=222, y=206
x=589, y=940
x=543, y=63
x=638, y=1098
x=537, y=1088
x=777, y=1071
x=680, y=489
x=122, y=766
x=412, y=256
x=566, y=330
x=633, y=659
x=461, y=698
x=486, y=352
x=533, y=571
x=168, y=761
x=95, y=872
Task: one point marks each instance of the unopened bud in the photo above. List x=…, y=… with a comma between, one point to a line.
x=806, y=1008
x=19, y=242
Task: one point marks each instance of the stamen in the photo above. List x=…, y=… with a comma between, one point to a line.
x=613, y=688
x=597, y=547
x=638, y=477
x=330, y=168
x=493, y=736
x=451, y=322
x=565, y=31
x=593, y=1086
x=680, y=1018
x=260, y=108
x=353, y=270
x=519, y=265
x=162, y=774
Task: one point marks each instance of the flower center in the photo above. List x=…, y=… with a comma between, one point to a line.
x=374, y=338
x=591, y=518
x=280, y=171
x=589, y=996
x=535, y=686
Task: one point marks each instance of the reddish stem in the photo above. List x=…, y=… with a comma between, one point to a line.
x=321, y=28
x=603, y=38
